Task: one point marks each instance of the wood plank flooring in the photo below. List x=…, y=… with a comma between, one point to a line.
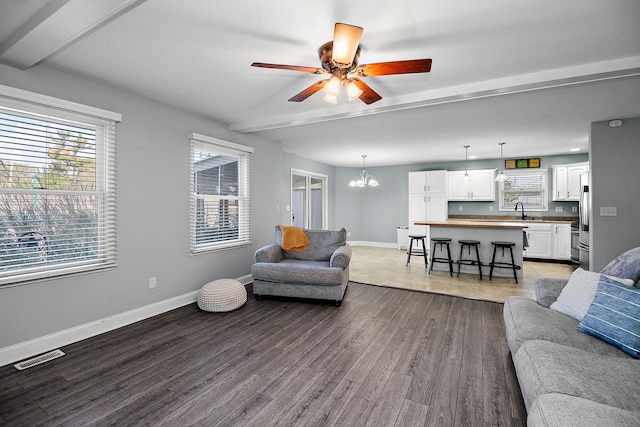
x=386, y=357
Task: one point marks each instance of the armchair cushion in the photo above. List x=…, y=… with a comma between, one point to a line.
x=322, y=244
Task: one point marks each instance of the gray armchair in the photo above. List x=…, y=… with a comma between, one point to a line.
x=319, y=272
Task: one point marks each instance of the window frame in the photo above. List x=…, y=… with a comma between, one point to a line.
x=242, y=153
x=544, y=191
x=31, y=105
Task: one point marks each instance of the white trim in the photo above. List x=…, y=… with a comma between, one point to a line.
x=204, y=138
x=26, y=349
x=50, y=101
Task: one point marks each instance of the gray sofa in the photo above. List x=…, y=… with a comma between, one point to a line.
x=319, y=272
x=569, y=378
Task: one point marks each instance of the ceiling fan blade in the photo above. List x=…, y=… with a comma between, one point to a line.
x=309, y=91
x=394, y=67
x=368, y=96
x=313, y=70
x=346, y=39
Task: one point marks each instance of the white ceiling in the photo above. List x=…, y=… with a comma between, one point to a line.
x=532, y=73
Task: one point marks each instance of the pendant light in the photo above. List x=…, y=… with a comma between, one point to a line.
x=501, y=176
x=364, y=179
x=466, y=176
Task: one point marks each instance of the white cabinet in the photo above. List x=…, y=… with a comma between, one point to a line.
x=481, y=185
x=562, y=241
x=540, y=241
x=566, y=181
x=548, y=241
x=427, y=199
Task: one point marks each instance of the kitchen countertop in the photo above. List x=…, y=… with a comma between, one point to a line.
x=536, y=220
x=471, y=223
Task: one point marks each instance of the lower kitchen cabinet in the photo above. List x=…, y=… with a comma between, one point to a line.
x=549, y=241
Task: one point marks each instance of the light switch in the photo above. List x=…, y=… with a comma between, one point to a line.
x=608, y=211
x=558, y=208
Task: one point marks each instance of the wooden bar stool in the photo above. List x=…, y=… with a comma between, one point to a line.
x=418, y=238
x=469, y=244
x=441, y=242
x=502, y=264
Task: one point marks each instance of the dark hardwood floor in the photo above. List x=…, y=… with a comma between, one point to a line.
x=386, y=357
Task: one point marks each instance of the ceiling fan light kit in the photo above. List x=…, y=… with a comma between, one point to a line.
x=339, y=58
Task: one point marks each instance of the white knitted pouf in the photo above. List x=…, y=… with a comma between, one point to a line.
x=222, y=295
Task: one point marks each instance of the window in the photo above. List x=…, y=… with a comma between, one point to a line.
x=220, y=202
x=57, y=187
x=528, y=187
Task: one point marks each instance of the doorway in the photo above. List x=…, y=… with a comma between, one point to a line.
x=308, y=200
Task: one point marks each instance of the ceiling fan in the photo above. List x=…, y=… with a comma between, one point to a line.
x=339, y=58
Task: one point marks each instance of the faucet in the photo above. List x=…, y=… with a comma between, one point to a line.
x=523, y=217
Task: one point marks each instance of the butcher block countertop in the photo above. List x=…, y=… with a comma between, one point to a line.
x=474, y=224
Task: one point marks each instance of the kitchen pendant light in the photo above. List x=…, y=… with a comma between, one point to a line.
x=364, y=179
x=501, y=176
x=466, y=176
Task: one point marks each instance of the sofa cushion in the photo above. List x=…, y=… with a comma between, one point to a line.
x=559, y=410
x=545, y=367
x=626, y=266
x=575, y=298
x=614, y=316
x=526, y=320
x=322, y=244
x=298, y=272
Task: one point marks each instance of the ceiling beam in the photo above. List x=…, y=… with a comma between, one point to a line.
x=57, y=25
x=582, y=74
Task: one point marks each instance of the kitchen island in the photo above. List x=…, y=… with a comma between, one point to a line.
x=485, y=232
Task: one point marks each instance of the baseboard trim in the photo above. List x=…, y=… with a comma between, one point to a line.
x=36, y=346
x=374, y=244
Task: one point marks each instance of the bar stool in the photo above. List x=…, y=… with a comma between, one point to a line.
x=441, y=242
x=502, y=264
x=418, y=238
x=469, y=244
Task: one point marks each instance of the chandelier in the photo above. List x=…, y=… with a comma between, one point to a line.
x=364, y=179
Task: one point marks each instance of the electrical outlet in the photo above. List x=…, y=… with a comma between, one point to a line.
x=277, y=208
x=152, y=282
x=574, y=209
x=608, y=211
x=490, y=208
x=460, y=208
x=348, y=234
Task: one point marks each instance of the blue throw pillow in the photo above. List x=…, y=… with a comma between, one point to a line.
x=614, y=316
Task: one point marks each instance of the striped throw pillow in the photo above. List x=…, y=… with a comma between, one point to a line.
x=614, y=316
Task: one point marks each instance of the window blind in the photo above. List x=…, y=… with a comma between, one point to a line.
x=527, y=187
x=220, y=194
x=57, y=189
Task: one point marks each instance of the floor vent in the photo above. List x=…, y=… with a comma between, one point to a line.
x=38, y=360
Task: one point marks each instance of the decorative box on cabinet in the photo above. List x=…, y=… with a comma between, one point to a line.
x=480, y=187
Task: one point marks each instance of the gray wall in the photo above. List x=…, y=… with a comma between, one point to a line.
x=615, y=153
x=152, y=213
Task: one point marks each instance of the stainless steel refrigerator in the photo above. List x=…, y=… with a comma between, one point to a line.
x=583, y=245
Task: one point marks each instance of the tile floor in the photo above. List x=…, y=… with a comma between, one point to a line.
x=386, y=267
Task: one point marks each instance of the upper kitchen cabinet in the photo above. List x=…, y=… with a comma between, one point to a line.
x=481, y=185
x=566, y=181
x=428, y=182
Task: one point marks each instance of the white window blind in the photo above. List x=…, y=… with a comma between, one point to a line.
x=220, y=194
x=528, y=187
x=57, y=188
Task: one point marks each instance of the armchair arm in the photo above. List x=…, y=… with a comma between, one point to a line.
x=269, y=253
x=341, y=257
x=548, y=290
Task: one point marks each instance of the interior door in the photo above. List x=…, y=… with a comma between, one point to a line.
x=308, y=200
